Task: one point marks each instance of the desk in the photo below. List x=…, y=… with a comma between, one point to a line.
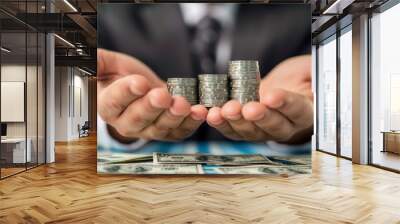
x=13, y=150
x=391, y=141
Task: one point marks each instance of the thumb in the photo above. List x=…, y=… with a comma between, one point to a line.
x=113, y=65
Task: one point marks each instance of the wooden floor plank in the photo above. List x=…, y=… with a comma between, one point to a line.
x=70, y=191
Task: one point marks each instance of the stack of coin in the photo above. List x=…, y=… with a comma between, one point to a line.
x=213, y=89
x=185, y=87
x=245, y=80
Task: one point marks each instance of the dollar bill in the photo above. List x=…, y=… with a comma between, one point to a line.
x=291, y=160
x=166, y=158
x=149, y=168
x=258, y=169
x=123, y=158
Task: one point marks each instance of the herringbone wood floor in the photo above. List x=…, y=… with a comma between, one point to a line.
x=70, y=191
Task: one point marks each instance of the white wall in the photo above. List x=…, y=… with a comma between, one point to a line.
x=61, y=103
x=81, y=101
x=15, y=73
x=33, y=126
x=71, y=93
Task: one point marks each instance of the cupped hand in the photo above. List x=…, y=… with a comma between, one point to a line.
x=285, y=110
x=135, y=103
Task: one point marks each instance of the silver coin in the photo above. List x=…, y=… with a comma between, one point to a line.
x=243, y=63
x=245, y=77
x=245, y=82
x=225, y=83
x=247, y=88
x=183, y=91
x=211, y=89
x=213, y=98
x=183, y=86
x=212, y=77
x=188, y=81
x=239, y=94
x=234, y=94
x=244, y=69
x=245, y=97
x=213, y=104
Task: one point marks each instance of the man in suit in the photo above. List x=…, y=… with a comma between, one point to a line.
x=142, y=45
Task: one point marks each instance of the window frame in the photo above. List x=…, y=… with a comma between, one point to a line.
x=333, y=37
x=378, y=10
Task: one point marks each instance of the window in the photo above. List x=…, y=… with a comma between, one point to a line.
x=327, y=95
x=385, y=89
x=346, y=92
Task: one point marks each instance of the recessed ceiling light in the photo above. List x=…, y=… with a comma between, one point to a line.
x=84, y=71
x=5, y=50
x=65, y=41
x=70, y=5
x=337, y=7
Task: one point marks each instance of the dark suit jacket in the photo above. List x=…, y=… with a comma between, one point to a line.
x=156, y=34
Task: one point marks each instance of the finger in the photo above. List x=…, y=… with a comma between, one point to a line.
x=114, y=99
x=232, y=113
x=173, y=117
x=253, y=111
x=191, y=123
x=143, y=111
x=111, y=64
x=297, y=108
x=273, y=123
x=168, y=120
x=215, y=119
x=198, y=112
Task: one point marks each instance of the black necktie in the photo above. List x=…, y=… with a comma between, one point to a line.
x=205, y=38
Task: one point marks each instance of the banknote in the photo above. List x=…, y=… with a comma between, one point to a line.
x=167, y=158
x=257, y=169
x=123, y=158
x=149, y=168
x=290, y=161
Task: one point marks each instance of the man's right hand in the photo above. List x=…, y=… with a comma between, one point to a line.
x=136, y=103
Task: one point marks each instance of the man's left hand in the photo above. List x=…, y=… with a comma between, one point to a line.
x=284, y=113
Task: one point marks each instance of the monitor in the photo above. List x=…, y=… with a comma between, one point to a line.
x=3, y=129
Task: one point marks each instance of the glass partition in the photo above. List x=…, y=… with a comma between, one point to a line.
x=31, y=97
x=385, y=89
x=34, y=51
x=22, y=78
x=15, y=151
x=41, y=97
x=327, y=95
x=345, y=94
